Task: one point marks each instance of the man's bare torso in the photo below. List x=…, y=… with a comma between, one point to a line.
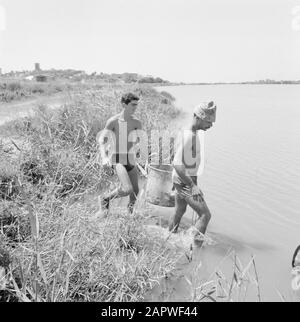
x=123, y=130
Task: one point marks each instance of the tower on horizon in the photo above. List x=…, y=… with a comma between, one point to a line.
x=37, y=67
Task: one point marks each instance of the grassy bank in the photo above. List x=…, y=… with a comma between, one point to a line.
x=15, y=90
x=53, y=246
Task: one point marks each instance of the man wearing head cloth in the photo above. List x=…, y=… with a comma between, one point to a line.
x=185, y=168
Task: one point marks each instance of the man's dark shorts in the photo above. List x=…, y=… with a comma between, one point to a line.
x=122, y=160
x=182, y=189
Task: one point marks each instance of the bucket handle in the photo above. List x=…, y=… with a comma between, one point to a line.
x=144, y=171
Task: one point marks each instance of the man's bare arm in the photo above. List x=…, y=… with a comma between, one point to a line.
x=103, y=138
x=139, y=125
x=181, y=171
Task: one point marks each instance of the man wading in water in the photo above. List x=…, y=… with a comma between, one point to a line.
x=186, y=164
x=122, y=159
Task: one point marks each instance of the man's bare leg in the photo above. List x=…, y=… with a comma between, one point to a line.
x=125, y=188
x=180, y=209
x=204, y=217
x=133, y=176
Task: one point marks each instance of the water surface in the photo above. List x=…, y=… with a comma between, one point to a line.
x=251, y=179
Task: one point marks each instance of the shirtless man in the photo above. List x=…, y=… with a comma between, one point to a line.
x=186, y=164
x=122, y=159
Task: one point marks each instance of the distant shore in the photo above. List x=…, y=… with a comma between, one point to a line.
x=239, y=83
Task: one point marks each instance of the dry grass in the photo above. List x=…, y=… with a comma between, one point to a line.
x=78, y=257
x=13, y=90
x=222, y=288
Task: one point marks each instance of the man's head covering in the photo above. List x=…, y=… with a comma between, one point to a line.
x=206, y=111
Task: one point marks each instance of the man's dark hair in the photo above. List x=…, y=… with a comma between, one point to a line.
x=128, y=98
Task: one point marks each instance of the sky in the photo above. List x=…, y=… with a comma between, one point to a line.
x=178, y=40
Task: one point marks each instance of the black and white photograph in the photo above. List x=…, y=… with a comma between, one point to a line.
x=149, y=153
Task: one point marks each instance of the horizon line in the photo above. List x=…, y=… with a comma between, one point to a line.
x=121, y=73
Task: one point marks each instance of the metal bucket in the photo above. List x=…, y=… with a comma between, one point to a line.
x=159, y=186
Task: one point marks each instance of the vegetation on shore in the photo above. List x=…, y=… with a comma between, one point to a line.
x=20, y=85
x=53, y=245
x=14, y=90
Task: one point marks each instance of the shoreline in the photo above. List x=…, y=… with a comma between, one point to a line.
x=216, y=84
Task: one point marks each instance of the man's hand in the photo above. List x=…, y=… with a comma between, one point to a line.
x=106, y=163
x=197, y=193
